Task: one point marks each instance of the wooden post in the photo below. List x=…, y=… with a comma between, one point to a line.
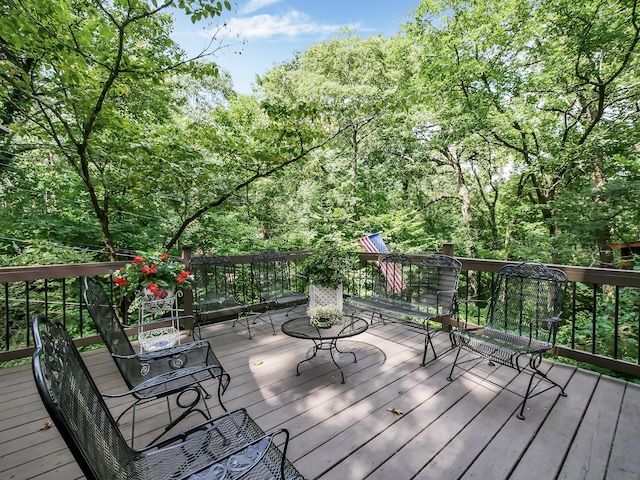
x=447, y=249
x=187, y=298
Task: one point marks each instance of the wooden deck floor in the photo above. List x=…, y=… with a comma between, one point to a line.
x=448, y=430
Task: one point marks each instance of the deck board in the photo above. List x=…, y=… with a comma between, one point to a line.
x=452, y=430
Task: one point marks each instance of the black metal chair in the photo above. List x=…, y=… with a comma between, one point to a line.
x=215, y=291
x=272, y=275
x=159, y=374
x=521, y=324
x=229, y=446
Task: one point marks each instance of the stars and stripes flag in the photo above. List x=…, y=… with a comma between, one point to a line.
x=375, y=244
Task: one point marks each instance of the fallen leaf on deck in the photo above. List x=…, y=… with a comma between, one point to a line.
x=47, y=425
x=395, y=410
x=259, y=362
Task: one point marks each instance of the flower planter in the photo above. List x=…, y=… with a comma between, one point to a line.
x=151, y=302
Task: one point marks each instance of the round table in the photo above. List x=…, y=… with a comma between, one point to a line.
x=325, y=338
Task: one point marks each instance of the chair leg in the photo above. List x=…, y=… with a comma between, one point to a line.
x=534, y=363
x=196, y=326
x=188, y=409
x=271, y=320
x=450, y=377
x=428, y=342
x=222, y=389
x=239, y=318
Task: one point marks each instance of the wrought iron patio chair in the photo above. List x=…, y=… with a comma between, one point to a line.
x=272, y=275
x=521, y=325
x=216, y=284
x=413, y=291
x=226, y=447
x=158, y=374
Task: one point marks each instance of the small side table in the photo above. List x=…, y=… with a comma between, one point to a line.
x=325, y=338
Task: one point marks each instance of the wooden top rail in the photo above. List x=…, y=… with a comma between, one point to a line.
x=603, y=276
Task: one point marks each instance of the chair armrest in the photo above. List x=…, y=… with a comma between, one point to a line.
x=158, y=320
x=554, y=319
x=167, y=352
x=458, y=302
x=171, y=381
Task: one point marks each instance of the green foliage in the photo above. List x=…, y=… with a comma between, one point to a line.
x=94, y=73
x=328, y=265
x=443, y=133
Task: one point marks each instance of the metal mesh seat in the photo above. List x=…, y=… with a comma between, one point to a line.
x=227, y=447
x=521, y=324
x=160, y=373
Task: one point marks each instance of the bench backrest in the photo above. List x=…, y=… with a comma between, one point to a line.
x=76, y=407
x=525, y=296
x=271, y=272
x=216, y=281
x=429, y=283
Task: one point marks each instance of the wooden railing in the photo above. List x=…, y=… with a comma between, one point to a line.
x=601, y=315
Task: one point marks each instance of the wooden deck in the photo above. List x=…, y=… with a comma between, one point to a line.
x=448, y=430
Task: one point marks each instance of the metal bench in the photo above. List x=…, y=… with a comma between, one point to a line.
x=229, y=446
x=157, y=374
x=216, y=284
x=520, y=326
x=413, y=291
x=271, y=273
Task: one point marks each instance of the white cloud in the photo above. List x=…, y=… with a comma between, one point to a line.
x=291, y=24
x=255, y=5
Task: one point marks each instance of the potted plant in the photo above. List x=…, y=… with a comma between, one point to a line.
x=324, y=317
x=151, y=277
x=326, y=268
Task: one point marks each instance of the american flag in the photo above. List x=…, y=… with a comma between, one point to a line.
x=375, y=244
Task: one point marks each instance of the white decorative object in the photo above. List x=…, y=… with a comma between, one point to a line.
x=320, y=296
x=153, y=339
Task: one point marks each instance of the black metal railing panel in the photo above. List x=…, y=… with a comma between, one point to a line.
x=601, y=310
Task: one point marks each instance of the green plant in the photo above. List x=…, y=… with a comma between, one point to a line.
x=327, y=266
x=324, y=317
x=152, y=272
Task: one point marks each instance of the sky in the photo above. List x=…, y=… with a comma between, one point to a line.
x=264, y=33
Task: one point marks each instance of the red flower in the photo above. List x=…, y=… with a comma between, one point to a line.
x=139, y=259
x=149, y=270
x=121, y=282
x=164, y=256
x=155, y=289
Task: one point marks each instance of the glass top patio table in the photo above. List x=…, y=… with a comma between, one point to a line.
x=325, y=338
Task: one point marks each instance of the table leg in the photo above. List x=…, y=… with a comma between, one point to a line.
x=331, y=346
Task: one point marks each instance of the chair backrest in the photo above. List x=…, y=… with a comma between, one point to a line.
x=104, y=316
x=76, y=407
x=215, y=281
x=428, y=282
x=526, y=294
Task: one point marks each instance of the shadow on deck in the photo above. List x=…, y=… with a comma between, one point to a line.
x=447, y=430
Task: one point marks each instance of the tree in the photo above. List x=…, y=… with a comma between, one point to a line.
x=551, y=85
x=72, y=68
